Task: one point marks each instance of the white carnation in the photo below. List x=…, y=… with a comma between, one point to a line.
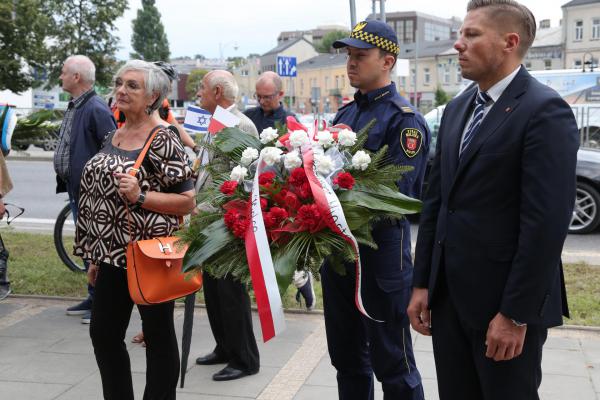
x=268, y=135
x=324, y=164
x=238, y=173
x=346, y=138
x=249, y=155
x=271, y=155
x=361, y=160
x=298, y=138
x=325, y=138
x=292, y=160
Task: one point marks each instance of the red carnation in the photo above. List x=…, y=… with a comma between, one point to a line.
x=228, y=187
x=344, y=180
x=263, y=203
x=304, y=191
x=240, y=227
x=297, y=177
x=231, y=216
x=266, y=178
x=291, y=201
x=309, y=217
x=278, y=213
x=279, y=198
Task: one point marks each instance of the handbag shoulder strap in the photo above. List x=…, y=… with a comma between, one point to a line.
x=138, y=162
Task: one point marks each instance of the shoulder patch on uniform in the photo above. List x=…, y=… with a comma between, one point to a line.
x=411, y=140
x=402, y=106
x=407, y=110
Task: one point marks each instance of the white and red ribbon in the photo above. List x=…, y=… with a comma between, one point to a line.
x=258, y=252
x=329, y=204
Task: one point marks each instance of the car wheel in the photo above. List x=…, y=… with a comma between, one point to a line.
x=586, y=214
x=49, y=144
x=20, y=147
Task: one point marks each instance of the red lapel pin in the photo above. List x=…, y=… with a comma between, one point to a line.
x=507, y=109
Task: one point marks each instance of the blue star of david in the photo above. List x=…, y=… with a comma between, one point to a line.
x=202, y=120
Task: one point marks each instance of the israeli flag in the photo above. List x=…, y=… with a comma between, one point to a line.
x=196, y=119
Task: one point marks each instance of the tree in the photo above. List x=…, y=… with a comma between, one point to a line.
x=23, y=29
x=149, y=40
x=234, y=62
x=328, y=39
x=193, y=81
x=83, y=27
x=441, y=97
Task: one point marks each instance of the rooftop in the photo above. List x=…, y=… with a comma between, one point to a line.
x=579, y=3
x=324, y=60
x=284, y=45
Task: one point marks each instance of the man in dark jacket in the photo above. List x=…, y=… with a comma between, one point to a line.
x=269, y=92
x=85, y=124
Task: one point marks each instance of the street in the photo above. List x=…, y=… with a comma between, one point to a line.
x=35, y=186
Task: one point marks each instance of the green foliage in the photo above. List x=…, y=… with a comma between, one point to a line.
x=23, y=28
x=37, y=125
x=84, y=27
x=149, y=40
x=441, y=97
x=329, y=38
x=193, y=81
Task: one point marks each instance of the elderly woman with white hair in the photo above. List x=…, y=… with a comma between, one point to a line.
x=161, y=191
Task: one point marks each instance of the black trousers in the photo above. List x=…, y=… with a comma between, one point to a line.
x=111, y=311
x=230, y=317
x=463, y=370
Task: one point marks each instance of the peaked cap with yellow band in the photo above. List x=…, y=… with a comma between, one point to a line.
x=369, y=34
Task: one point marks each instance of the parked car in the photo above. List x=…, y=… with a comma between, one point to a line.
x=586, y=214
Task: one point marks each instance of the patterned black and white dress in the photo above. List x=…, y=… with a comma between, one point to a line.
x=102, y=234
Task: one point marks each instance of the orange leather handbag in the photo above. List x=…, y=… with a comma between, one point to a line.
x=154, y=266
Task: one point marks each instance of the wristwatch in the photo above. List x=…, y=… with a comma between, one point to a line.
x=141, y=199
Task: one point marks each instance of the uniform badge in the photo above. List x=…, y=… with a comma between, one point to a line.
x=359, y=27
x=411, y=140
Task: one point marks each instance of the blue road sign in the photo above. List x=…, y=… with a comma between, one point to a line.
x=286, y=66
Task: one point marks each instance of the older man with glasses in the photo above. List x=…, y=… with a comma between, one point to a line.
x=269, y=92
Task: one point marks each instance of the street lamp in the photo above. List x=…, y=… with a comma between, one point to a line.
x=222, y=47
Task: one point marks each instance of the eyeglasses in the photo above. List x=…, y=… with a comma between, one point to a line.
x=268, y=97
x=16, y=213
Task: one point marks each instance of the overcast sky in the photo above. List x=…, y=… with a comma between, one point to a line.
x=205, y=26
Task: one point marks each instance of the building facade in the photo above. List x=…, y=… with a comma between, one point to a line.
x=581, y=32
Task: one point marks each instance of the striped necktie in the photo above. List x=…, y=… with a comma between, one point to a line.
x=480, y=102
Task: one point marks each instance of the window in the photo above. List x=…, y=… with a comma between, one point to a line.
x=326, y=83
x=596, y=28
x=577, y=63
x=426, y=76
x=446, y=78
x=435, y=32
x=400, y=31
x=579, y=30
x=528, y=65
x=409, y=34
x=547, y=64
x=458, y=75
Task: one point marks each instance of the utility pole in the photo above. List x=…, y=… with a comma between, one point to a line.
x=382, y=10
x=352, y=14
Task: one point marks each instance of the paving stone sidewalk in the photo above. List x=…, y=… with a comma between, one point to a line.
x=47, y=355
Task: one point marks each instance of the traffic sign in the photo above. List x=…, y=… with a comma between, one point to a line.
x=286, y=66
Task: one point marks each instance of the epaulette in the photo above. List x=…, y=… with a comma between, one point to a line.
x=403, y=107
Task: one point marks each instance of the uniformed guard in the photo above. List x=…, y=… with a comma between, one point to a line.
x=359, y=346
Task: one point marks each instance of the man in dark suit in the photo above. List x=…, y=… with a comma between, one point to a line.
x=488, y=279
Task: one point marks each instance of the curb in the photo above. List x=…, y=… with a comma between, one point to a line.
x=29, y=158
x=177, y=304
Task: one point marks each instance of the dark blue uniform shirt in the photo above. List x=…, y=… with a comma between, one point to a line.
x=400, y=127
x=262, y=120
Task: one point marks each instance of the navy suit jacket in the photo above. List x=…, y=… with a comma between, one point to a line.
x=495, y=219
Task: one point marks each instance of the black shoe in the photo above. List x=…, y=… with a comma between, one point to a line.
x=211, y=359
x=230, y=373
x=86, y=318
x=81, y=308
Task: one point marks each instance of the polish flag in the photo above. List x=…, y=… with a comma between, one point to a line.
x=221, y=119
